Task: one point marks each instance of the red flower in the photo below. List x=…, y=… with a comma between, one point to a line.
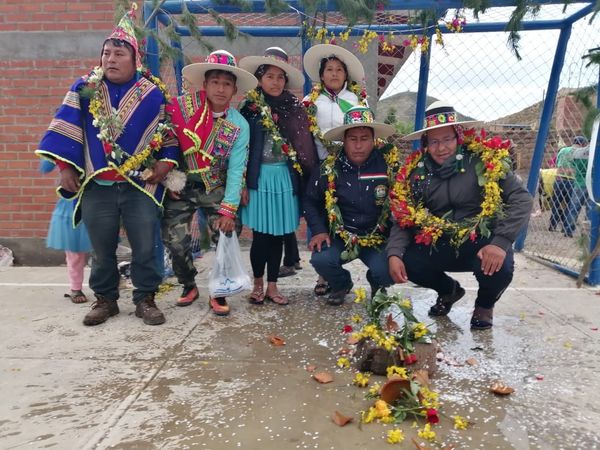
x=424, y=238
x=332, y=42
x=331, y=186
x=306, y=103
x=107, y=147
x=275, y=117
x=489, y=166
x=410, y=359
x=473, y=235
x=153, y=143
x=285, y=148
x=252, y=107
x=432, y=416
x=347, y=329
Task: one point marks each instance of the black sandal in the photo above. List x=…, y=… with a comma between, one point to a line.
x=322, y=289
x=77, y=297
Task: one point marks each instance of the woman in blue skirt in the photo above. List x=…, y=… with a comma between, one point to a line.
x=282, y=154
x=74, y=241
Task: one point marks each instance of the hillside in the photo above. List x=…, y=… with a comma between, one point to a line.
x=405, y=104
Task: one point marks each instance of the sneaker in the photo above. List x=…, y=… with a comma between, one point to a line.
x=147, y=310
x=286, y=271
x=337, y=298
x=297, y=266
x=102, y=309
x=188, y=296
x=219, y=306
x=444, y=303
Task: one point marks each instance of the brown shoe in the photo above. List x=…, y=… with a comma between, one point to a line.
x=147, y=310
x=102, y=309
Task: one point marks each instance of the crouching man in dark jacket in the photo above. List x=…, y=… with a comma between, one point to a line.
x=458, y=207
x=347, y=206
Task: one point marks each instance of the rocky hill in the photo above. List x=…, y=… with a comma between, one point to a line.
x=405, y=104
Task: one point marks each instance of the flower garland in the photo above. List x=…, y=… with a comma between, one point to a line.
x=311, y=109
x=334, y=215
x=494, y=164
x=111, y=125
x=256, y=102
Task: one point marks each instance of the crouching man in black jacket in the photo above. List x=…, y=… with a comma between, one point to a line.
x=346, y=204
x=458, y=207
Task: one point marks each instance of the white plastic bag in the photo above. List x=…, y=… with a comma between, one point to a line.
x=228, y=276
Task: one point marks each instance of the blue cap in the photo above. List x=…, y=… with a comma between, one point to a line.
x=580, y=140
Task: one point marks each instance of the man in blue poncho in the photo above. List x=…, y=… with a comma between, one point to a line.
x=110, y=140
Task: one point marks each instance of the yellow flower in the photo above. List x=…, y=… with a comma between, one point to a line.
x=429, y=398
x=343, y=363
x=382, y=409
x=356, y=318
x=426, y=432
x=361, y=379
x=374, y=390
x=395, y=370
x=420, y=330
x=395, y=436
x=460, y=423
x=369, y=416
x=406, y=303
x=361, y=295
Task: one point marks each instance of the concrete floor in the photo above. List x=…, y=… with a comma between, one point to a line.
x=217, y=383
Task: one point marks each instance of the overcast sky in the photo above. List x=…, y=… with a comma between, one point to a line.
x=482, y=78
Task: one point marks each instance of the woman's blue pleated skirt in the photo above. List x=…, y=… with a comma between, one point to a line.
x=272, y=208
x=62, y=235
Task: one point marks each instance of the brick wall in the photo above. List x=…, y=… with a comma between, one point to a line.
x=30, y=91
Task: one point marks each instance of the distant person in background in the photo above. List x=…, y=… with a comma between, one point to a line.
x=74, y=241
x=564, y=187
x=578, y=160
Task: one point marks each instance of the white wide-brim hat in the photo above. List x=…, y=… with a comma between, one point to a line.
x=275, y=56
x=359, y=116
x=314, y=55
x=219, y=60
x=437, y=115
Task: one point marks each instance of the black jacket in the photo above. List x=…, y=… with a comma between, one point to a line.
x=360, y=191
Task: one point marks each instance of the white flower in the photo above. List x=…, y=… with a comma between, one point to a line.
x=459, y=157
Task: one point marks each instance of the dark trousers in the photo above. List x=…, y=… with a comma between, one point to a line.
x=104, y=208
x=426, y=266
x=562, y=191
x=266, y=250
x=329, y=264
x=290, y=247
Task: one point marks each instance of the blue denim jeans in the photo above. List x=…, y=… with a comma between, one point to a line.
x=427, y=267
x=328, y=264
x=579, y=197
x=104, y=208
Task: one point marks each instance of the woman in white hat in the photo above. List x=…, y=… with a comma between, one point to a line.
x=282, y=153
x=460, y=196
x=337, y=75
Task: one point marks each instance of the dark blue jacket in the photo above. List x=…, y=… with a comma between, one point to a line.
x=256, y=144
x=361, y=192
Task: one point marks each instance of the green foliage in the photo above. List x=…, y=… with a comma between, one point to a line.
x=404, y=128
x=391, y=117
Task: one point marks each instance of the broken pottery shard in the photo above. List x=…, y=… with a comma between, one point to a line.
x=339, y=419
x=499, y=388
x=276, y=340
x=323, y=377
x=471, y=361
